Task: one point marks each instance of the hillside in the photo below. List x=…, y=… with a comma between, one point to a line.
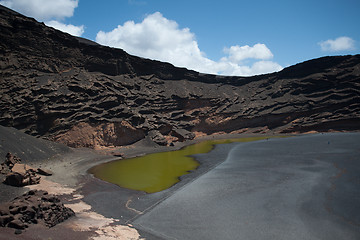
x=77, y=92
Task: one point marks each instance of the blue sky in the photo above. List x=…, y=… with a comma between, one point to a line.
x=226, y=37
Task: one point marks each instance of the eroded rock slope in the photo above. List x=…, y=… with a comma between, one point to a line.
x=77, y=92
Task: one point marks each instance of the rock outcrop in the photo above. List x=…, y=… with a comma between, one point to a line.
x=34, y=207
x=17, y=179
x=65, y=89
x=9, y=163
x=18, y=174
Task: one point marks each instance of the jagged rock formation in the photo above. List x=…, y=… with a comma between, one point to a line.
x=74, y=91
x=34, y=207
x=9, y=163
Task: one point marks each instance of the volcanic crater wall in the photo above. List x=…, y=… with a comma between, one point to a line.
x=77, y=92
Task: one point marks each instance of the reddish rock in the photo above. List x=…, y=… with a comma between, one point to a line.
x=22, y=168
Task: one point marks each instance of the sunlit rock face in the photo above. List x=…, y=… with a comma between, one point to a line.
x=79, y=93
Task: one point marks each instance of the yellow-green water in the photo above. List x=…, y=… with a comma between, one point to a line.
x=157, y=171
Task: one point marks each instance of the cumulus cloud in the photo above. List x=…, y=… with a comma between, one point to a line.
x=157, y=37
x=43, y=9
x=259, y=67
x=239, y=53
x=339, y=44
x=68, y=28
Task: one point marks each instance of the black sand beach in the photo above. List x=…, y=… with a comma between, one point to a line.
x=304, y=187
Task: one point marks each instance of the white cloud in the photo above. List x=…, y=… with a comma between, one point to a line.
x=259, y=67
x=68, y=28
x=239, y=53
x=46, y=10
x=339, y=44
x=43, y=9
x=159, y=38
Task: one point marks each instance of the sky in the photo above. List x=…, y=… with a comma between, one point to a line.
x=227, y=37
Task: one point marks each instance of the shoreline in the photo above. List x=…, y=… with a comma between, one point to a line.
x=268, y=188
x=87, y=192
x=82, y=191
x=144, y=146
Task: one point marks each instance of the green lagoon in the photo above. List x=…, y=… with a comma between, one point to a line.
x=157, y=171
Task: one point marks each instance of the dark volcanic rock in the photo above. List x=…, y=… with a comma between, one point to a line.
x=158, y=138
x=44, y=172
x=82, y=94
x=8, y=164
x=14, y=179
x=18, y=174
x=32, y=208
x=183, y=134
x=17, y=179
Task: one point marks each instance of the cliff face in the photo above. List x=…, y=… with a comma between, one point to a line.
x=74, y=91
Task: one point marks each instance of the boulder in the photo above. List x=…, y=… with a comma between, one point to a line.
x=17, y=224
x=44, y=172
x=4, y=220
x=157, y=137
x=14, y=179
x=165, y=129
x=22, y=168
x=182, y=134
x=22, y=179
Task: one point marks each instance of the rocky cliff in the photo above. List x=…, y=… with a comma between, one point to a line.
x=77, y=92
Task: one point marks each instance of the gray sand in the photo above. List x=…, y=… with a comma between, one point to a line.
x=296, y=188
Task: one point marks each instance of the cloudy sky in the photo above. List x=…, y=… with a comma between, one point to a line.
x=228, y=37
